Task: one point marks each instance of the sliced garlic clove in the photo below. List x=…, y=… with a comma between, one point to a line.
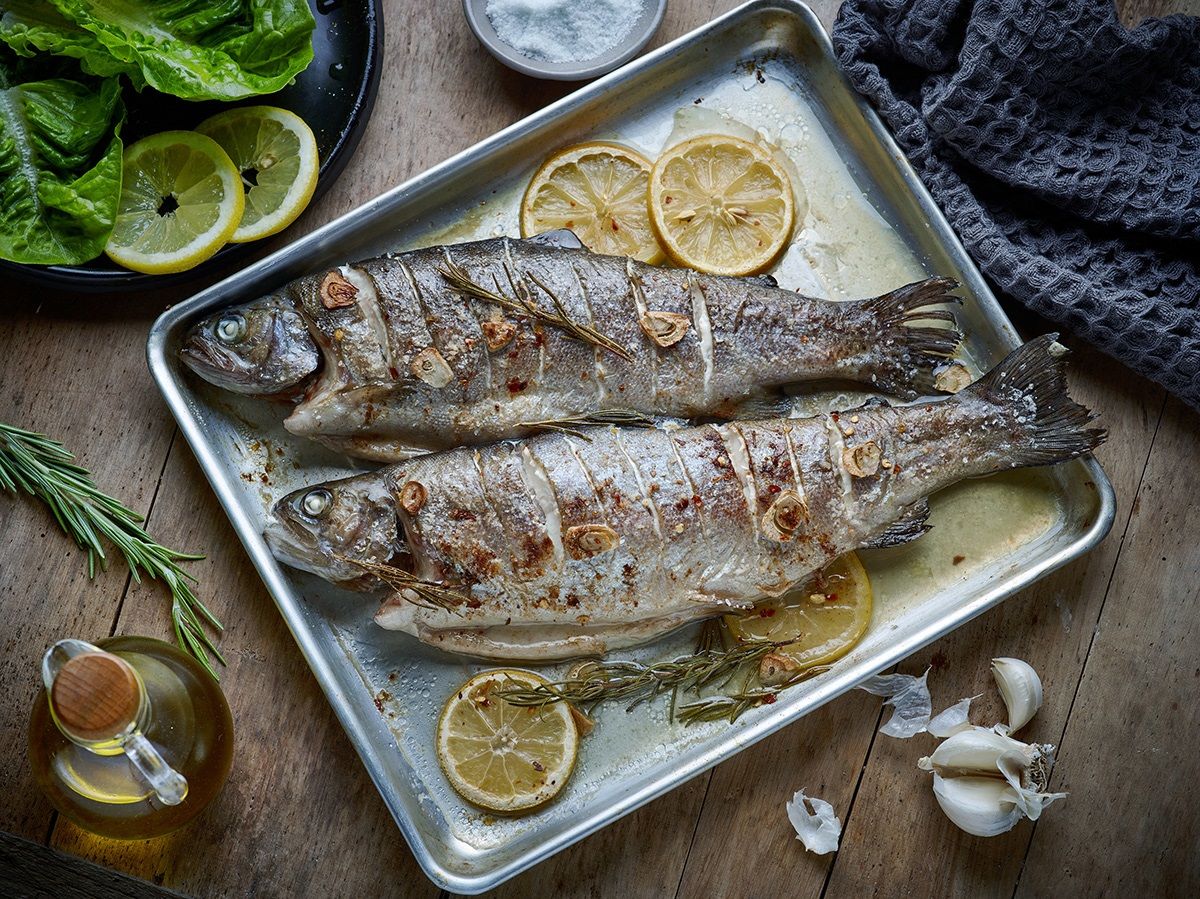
x=982, y=806
x=1021, y=689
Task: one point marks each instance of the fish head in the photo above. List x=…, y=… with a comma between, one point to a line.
x=263, y=347
x=322, y=527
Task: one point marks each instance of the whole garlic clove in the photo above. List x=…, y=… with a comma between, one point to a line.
x=976, y=750
x=982, y=806
x=1021, y=689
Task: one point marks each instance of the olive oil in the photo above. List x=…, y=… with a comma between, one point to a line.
x=131, y=747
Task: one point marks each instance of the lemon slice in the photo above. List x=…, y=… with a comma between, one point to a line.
x=500, y=756
x=597, y=190
x=721, y=205
x=823, y=620
x=181, y=201
x=276, y=153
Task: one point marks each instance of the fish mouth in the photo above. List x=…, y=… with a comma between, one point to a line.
x=295, y=546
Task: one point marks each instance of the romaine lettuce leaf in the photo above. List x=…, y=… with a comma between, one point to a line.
x=195, y=49
x=60, y=166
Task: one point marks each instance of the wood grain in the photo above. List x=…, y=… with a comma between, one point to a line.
x=299, y=815
x=1128, y=756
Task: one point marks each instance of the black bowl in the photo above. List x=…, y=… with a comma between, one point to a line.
x=334, y=95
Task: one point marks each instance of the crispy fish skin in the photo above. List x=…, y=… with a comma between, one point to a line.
x=410, y=364
x=561, y=546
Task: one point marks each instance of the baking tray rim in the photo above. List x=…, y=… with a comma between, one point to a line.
x=743, y=735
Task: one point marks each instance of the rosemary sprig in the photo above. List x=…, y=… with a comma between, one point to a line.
x=710, y=636
x=594, y=682
x=45, y=469
x=527, y=305
x=724, y=708
x=410, y=587
x=572, y=423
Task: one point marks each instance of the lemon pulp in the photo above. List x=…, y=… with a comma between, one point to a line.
x=820, y=622
x=597, y=190
x=503, y=757
x=276, y=154
x=181, y=201
x=721, y=204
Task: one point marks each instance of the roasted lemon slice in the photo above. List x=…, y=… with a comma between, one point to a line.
x=822, y=621
x=597, y=190
x=181, y=201
x=500, y=756
x=721, y=205
x=276, y=154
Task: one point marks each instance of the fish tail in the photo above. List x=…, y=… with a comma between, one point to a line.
x=903, y=331
x=1030, y=389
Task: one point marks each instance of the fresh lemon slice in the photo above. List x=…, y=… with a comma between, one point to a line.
x=276, y=153
x=597, y=190
x=721, y=205
x=181, y=201
x=500, y=756
x=823, y=620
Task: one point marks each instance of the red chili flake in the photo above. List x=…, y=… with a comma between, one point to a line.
x=833, y=415
x=516, y=385
x=958, y=559
x=774, y=488
x=682, y=505
x=831, y=597
x=394, y=373
x=539, y=338
x=896, y=468
x=769, y=699
x=766, y=613
x=697, y=501
x=615, y=226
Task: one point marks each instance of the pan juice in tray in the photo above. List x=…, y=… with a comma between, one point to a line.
x=862, y=228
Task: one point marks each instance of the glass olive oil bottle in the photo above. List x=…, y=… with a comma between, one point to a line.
x=133, y=738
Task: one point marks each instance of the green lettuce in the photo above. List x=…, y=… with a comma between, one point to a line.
x=60, y=166
x=195, y=49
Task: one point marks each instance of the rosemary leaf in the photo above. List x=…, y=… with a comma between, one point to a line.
x=33, y=463
x=410, y=587
x=525, y=304
x=571, y=424
x=595, y=682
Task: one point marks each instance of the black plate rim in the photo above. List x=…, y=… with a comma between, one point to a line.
x=90, y=280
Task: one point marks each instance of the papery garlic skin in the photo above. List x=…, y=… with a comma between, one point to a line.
x=982, y=806
x=1021, y=689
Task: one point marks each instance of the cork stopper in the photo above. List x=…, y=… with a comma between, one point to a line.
x=95, y=696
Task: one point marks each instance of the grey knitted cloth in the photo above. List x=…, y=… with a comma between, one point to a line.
x=1064, y=149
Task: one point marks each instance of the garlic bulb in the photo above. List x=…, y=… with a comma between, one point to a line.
x=983, y=806
x=986, y=781
x=1021, y=689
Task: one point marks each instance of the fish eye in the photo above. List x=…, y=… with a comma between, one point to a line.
x=230, y=328
x=316, y=502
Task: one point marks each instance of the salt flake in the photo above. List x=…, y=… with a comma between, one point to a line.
x=952, y=720
x=908, y=696
x=818, y=830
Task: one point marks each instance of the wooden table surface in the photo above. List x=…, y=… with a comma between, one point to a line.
x=1115, y=636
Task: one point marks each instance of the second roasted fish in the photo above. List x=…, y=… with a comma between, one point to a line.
x=559, y=545
x=469, y=344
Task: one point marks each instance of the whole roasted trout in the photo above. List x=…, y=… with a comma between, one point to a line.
x=559, y=545
x=469, y=344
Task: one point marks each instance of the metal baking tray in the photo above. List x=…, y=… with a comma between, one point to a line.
x=869, y=222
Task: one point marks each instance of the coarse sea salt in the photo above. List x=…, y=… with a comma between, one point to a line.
x=563, y=30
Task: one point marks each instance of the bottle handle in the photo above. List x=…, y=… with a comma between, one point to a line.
x=169, y=785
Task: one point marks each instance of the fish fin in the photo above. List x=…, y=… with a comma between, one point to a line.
x=764, y=280
x=563, y=238
x=1030, y=388
x=913, y=350
x=911, y=524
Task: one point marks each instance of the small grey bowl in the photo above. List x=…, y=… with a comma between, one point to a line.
x=643, y=29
